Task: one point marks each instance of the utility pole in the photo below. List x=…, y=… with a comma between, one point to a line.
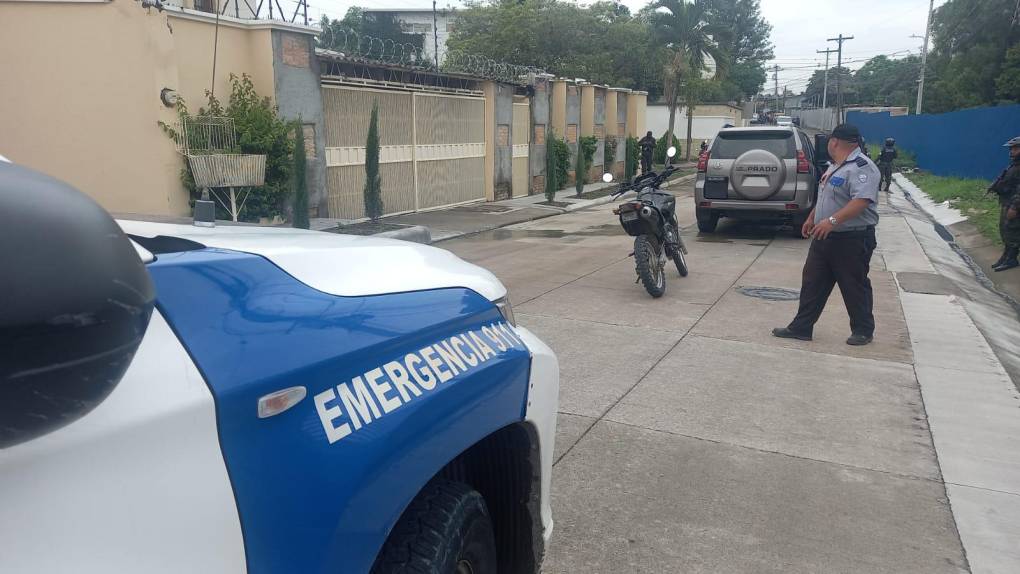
x=775, y=78
x=839, y=65
x=924, y=58
x=435, y=31
x=825, y=86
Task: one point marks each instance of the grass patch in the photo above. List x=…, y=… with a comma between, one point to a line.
x=967, y=195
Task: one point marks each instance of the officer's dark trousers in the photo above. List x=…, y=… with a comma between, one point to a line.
x=886, y=170
x=646, y=163
x=1009, y=229
x=842, y=258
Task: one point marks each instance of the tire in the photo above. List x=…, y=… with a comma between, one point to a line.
x=646, y=256
x=445, y=530
x=681, y=262
x=707, y=221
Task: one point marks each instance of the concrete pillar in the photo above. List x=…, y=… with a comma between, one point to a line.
x=636, y=107
x=613, y=132
x=489, y=93
x=299, y=97
x=573, y=127
x=599, y=131
x=558, y=108
x=541, y=112
x=499, y=150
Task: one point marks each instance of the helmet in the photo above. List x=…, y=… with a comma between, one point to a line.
x=1012, y=143
x=890, y=141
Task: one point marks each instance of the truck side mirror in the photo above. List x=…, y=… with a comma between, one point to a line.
x=77, y=301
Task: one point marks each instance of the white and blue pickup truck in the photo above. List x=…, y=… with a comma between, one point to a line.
x=242, y=399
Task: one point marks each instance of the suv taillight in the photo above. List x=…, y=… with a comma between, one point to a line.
x=802, y=163
x=703, y=162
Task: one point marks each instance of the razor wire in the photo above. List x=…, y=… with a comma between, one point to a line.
x=351, y=45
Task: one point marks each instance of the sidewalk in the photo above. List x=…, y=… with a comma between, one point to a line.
x=964, y=344
x=982, y=251
x=457, y=221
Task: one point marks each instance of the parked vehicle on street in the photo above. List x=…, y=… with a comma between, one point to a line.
x=651, y=219
x=784, y=121
x=762, y=173
x=178, y=399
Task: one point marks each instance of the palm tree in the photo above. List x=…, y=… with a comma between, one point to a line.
x=688, y=33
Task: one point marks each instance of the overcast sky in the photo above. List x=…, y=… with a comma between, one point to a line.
x=799, y=27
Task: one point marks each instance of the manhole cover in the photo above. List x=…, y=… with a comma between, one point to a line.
x=771, y=293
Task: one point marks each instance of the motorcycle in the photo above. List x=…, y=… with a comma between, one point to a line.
x=651, y=219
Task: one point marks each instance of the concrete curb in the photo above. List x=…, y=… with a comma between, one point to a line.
x=415, y=233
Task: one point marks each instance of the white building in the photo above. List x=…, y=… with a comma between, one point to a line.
x=435, y=27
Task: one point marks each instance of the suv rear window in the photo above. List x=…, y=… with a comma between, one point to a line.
x=732, y=145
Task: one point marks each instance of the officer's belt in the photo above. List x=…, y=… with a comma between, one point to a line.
x=856, y=228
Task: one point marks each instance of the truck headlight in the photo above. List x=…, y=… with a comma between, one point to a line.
x=506, y=309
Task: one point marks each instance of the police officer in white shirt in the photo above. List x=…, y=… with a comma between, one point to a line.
x=842, y=227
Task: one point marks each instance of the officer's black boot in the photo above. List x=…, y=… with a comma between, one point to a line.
x=1002, y=258
x=1010, y=262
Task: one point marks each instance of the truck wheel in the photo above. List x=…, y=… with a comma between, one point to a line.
x=445, y=530
x=707, y=221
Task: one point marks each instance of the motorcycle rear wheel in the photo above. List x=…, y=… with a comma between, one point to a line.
x=649, y=270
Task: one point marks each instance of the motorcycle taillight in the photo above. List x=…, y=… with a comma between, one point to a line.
x=802, y=163
x=703, y=161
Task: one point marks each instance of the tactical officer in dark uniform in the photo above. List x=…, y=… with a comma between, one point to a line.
x=885, y=159
x=1007, y=187
x=647, y=144
x=842, y=226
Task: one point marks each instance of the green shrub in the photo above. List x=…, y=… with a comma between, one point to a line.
x=586, y=147
x=300, y=184
x=630, y=165
x=659, y=156
x=260, y=131
x=373, y=183
x=561, y=157
x=610, y=156
x=551, y=170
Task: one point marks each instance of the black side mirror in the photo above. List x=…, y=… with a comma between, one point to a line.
x=76, y=303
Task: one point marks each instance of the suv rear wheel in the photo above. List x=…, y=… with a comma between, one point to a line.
x=707, y=220
x=446, y=529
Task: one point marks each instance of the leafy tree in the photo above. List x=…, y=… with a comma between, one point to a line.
x=300, y=184
x=968, y=64
x=373, y=183
x=1007, y=85
x=356, y=24
x=816, y=86
x=883, y=81
x=603, y=43
x=744, y=38
x=689, y=34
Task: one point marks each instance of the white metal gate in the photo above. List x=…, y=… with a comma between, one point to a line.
x=432, y=149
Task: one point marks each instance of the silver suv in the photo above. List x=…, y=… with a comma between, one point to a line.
x=760, y=172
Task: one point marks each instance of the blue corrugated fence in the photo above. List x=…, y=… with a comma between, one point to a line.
x=965, y=143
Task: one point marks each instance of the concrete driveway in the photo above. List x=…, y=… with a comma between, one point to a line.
x=690, y=440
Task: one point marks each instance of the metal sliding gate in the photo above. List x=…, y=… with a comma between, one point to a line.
x=432, y=149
